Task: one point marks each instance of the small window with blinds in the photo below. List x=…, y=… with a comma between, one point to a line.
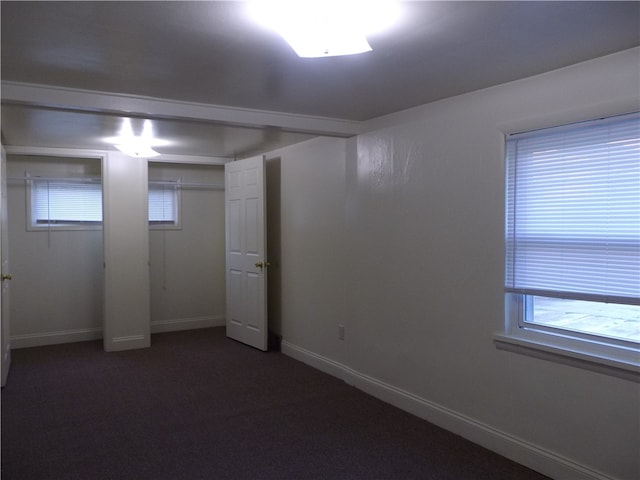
x=65, y=203
x=573, y=231
x=164, y=204
x=76, y=203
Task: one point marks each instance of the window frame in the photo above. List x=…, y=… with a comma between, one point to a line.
x=33, y=226
x=598, y=353
x=528, y=312
x=177, y=223
x=564, y=346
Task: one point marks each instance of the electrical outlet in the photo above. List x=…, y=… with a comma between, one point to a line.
x=341, y=332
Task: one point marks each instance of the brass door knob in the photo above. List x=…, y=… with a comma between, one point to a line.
x=6, y=276
x=262, y=265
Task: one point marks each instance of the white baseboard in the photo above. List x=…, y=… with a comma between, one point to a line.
x=53, y=338
x=86, y=334
x=160, y=326
x=129, y=342
x=324, y=364
x=505, y=444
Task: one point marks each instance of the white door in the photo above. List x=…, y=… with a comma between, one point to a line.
x=5, y=359
x=245, y=217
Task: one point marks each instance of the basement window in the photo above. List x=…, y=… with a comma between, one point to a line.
x=572, y=280
x=164, y=204
x=76, y=203
x=67, y=204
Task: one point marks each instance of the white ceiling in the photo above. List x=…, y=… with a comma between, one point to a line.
x=224, y=86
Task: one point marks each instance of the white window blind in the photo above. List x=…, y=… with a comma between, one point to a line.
x=163, y=205
x=65, y=202
x=573, y=211
x=75, y=202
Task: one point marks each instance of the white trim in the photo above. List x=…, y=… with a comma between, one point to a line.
x=568, y=348
x=319, y=362
x=88, y=334
x=614, y=365
x=33, y=226
x=56, y=152
x=516, y=449
x=89, y=100
x=98, y=154
x=190, y=159
x=128, y=338
x=159, y=326
x=54, y=338
x=127, y=342
x=176, y=222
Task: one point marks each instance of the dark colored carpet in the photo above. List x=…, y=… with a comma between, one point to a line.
x=197, y=405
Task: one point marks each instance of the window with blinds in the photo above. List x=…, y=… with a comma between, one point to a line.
x=65, y=202
x=573, y=226
x=77, y=203
x=163, y=203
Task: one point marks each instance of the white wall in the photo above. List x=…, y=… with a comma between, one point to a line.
x=187, y=265
x=56, y=290
x=401, y=240
x=312, y=235
x=126, y=253
x=57, y=287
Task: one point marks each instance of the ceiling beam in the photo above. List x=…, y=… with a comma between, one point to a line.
x=92, y=153
x=121, y=104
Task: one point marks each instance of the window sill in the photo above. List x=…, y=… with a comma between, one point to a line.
x=625, y=368
x=64, y=227
x=165, y=226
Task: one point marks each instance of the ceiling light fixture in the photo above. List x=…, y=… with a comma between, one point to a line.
x=327, y=28
x=137, y=146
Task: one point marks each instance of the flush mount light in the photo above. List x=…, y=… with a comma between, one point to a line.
x=137, y=146
x=325, y=28
x=137, y=150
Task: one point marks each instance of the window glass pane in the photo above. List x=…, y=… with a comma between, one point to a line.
x=163, y=205
x=594, y=318
x=77, y=202
x=65, y=202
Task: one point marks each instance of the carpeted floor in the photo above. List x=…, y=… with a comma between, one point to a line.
x=197, y=405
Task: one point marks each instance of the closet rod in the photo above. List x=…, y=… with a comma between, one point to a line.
x=215, y=186
x=56, y=179
x=219, y=186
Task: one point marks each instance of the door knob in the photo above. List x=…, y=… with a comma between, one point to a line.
x=5, y=276
x=262, y=265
